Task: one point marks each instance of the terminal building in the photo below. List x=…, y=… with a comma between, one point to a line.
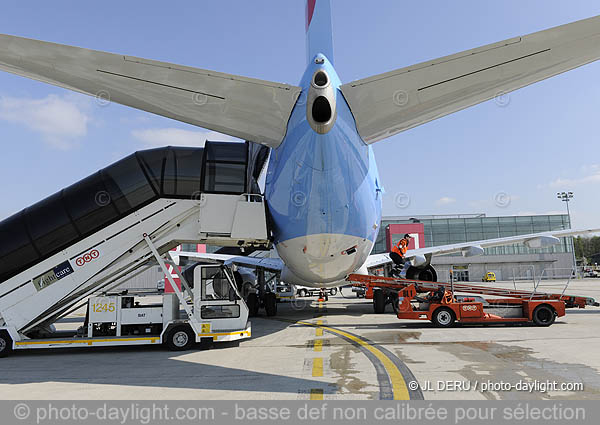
x=507, y=262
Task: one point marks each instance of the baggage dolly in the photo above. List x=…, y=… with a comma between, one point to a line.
x=437, y=302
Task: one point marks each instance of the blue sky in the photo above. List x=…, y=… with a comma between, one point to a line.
x=540, y=140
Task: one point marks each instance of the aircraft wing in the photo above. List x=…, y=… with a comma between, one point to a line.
x=247, y=108
x=470, y=249
x=390, y=103
x=272, y=264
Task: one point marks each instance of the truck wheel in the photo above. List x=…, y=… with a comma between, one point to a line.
x=333, y=291
x=271, y=304
x=180, y=338
x=443, y=317
x=378, y=302
x=253, y=304
x=303, y=293
x=5, y=344
x=543, y=315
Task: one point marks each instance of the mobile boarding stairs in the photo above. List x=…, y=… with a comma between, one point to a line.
x=75, y=248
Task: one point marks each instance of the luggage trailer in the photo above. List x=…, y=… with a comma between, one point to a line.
x=437, y=302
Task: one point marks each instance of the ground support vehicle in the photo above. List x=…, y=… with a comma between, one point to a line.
x=75, y=249
x=208, y=309
x=440, y=303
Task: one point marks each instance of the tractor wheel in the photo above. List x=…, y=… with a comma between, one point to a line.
x=379, y=301
x=5, y=344
x=443, y=317
x=180, y=338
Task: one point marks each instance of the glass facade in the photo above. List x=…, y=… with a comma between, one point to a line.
x=457, y=229
x=105, y=197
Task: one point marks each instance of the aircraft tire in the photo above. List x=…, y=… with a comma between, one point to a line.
x=253, y=304
x=270, y=304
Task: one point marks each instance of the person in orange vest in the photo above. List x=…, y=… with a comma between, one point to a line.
x=398, y=252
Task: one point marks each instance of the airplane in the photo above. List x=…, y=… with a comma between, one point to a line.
x=322, y=187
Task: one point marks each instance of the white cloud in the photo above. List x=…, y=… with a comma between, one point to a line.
x=592, y=176
x=60, y=120
x=156, y=137
x=445, y=201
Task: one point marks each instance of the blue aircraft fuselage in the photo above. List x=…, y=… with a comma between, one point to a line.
x=323, y=192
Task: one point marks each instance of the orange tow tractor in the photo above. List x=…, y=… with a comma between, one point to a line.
x=437, y=302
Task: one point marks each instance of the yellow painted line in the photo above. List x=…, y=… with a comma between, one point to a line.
x=316, y=394
x=86, y=341
x=398, y=383
x=319, y=331
x=318, y=345
x=317, y=367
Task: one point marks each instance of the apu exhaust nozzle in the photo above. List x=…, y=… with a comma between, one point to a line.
x=320, y=106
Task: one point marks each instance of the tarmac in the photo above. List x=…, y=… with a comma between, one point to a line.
x=334, y=350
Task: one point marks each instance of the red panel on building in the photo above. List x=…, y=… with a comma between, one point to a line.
x=395, y=232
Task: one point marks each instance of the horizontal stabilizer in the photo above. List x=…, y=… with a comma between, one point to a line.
x=387, y=104
x=247, y=108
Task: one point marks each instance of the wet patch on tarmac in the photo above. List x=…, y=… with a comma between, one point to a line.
x=495, y=362
x=512, y=363
x=392, y=337
x=347, y=380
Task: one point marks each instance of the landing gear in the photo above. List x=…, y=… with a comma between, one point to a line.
x=323, y=295
x=253, y=304
x=262, y=298
x=270, y=304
